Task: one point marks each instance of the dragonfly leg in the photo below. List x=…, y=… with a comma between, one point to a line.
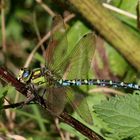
x=31, y=94
x=30, y=97
x=43, y=93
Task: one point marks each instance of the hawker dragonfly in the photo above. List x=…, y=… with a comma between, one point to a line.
x=65, y=71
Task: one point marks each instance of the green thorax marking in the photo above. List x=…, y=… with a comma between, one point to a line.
x=38, y=76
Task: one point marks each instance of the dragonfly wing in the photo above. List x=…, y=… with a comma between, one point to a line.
x=57, y=97
x=56, y=100
x=58, y=44
x=79, y=103
x=55, y=53
x=78, y=63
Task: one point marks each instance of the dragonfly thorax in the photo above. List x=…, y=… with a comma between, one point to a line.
x=38, y=76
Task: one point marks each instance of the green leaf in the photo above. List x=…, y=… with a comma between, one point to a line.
x=75, y=33
x=129, y=5
x=114, y=57
x=39, y=58
x=3, y=93
x=122, y=114
x=14, y=30
x=119, y=66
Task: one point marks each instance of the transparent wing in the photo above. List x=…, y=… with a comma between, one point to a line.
x=78, y=63
x=57, y=47
x=79, y=103
x=79, y=67
x=56, y=99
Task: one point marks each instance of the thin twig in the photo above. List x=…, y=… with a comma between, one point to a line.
x=117, y=10
x=107, y=90
x=45, y=7
x=58, y=128
x=15, y=105
x=37, y=31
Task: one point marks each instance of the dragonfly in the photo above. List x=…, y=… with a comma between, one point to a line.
x=64, y=71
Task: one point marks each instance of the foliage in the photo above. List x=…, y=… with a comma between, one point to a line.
x=122, y=116
x=3, y=93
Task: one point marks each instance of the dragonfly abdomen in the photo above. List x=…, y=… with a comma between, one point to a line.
x=108, y=83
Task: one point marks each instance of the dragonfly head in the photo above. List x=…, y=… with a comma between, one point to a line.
x=24, y=75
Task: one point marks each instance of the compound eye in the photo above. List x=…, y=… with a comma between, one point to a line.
x=26, y=74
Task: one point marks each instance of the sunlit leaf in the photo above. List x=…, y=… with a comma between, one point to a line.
x=122, y=114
